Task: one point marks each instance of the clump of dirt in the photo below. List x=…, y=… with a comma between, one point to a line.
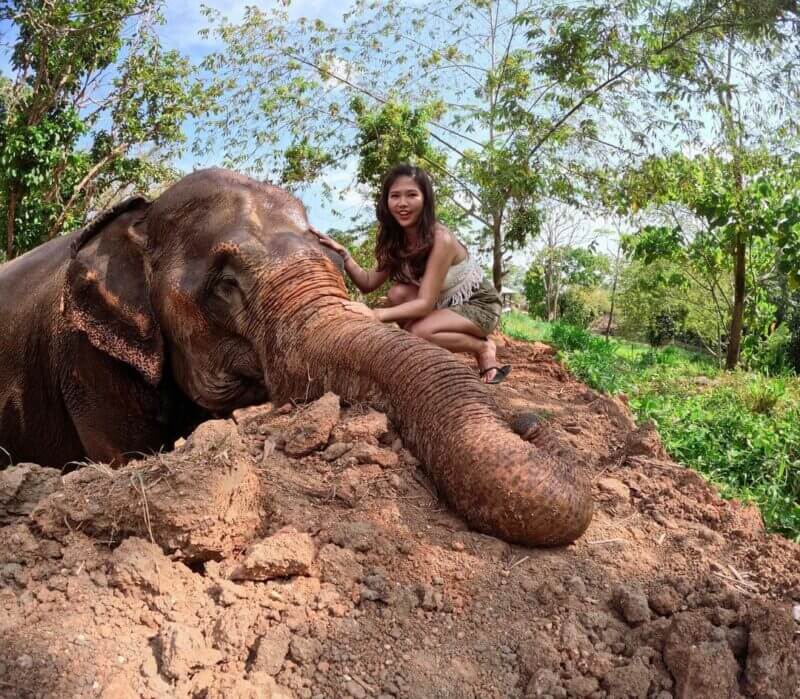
x=304, y=554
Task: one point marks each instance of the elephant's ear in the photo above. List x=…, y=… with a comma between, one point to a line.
x=107, y=288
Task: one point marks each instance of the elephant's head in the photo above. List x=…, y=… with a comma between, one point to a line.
x=222, y=276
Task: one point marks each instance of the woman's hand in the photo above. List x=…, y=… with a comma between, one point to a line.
x=361, y=309
x=330, y=242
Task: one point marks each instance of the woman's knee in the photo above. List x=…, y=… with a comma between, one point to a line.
x=402, y=293
x=421, y=329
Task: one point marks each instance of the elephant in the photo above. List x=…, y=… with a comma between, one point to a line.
x=215, y=296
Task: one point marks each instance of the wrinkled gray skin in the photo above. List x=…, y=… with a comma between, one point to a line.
x=217, y=296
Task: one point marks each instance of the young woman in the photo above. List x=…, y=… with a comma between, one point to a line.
x=439, y=292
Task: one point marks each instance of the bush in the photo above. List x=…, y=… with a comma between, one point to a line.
x=661, y=329
x=573, y=309
x=770, y=355
x=669, y=356
x=736, y=435
x=569, y=337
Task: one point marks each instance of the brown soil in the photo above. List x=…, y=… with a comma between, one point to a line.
x=229, y=568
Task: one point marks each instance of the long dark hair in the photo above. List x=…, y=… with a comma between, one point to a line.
x=391, y=247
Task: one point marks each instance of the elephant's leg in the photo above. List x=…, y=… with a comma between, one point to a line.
x=115, y=412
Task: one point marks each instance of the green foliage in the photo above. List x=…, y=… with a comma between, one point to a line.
x=68, y=130
x=360, y=243
x=771, y=355
x=741, y=430
x=661, y=329
x=573, y=309
x=534, y=290
x=567, y=280
x=522, y=327
x=396, y=132
x=742, y=437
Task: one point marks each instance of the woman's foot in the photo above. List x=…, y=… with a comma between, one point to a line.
x=487, y=359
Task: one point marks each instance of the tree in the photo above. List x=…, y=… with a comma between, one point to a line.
x=80, y=79
x=560, y=278
x=710, y=208
x=562, y=261
x=529, y=92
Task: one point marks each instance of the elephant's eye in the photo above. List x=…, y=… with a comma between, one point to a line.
x=226, y=284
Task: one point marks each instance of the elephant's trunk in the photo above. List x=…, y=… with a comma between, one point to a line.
x=500, y=484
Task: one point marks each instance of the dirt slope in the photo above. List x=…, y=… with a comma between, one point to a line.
x=305, y=554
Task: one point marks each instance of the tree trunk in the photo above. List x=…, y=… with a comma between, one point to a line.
x=315, y=340
x=11, y=221
x=613, y=292
x=497, y=253
x=737, y=319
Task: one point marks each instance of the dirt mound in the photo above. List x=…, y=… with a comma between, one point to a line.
x=305, y=554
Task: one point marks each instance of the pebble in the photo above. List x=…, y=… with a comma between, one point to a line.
x=355, y=690
x=457, y=546
x=25, y=661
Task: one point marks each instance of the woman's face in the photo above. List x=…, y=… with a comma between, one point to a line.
x=406, y=201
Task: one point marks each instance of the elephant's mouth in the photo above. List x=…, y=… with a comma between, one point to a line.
x=230, y=392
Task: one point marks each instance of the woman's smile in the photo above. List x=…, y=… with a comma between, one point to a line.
x=406, y=201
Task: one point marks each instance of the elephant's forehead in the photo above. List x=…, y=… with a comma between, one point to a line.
x=277, y=209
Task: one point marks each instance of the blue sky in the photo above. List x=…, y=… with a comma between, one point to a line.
x=184, y=20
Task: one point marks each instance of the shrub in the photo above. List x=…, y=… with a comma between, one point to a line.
x=573, y=309
x=569, y=337
x=771, y=355
x=661, y=329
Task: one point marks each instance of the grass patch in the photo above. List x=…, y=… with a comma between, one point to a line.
x=741, y=430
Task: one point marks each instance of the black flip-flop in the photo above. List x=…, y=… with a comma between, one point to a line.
x=500, y=376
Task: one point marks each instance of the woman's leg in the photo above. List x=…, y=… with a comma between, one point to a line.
x=457, y=334
x=402, y=293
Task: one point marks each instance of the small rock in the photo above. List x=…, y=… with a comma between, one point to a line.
x=305, y=651
x=371, y=454
x=576, y=586
x=355, y=690
x=231, y=628
x=270, y=650
x=614, y=487
x=24, y=662
x=252, y=414
x=581, y=686
x=632, y=605
x=183, y=648
x=628, y=681
x=665, y=601
x=335, y=450
x=338, y=565
x=395, y=481
x=279, y=556
x=702, y=667
x=376, y=588
x=429, y=598
x=311, y=428
x=366, y=427
x=359, y=536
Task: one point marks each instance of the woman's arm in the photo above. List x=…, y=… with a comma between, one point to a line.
x=366, y=281
x=430, y=286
